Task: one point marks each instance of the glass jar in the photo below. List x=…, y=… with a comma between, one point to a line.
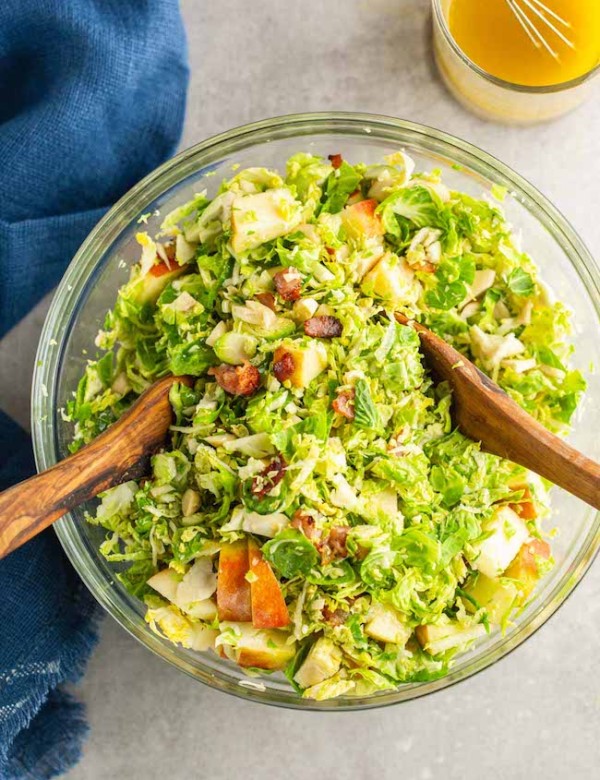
x=494, y=98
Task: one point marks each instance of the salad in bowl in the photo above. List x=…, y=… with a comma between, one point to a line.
x=315, y=512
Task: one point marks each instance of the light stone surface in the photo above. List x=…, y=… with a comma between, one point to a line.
x=534, y=715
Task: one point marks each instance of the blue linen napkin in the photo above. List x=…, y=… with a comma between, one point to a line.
x=92, y=96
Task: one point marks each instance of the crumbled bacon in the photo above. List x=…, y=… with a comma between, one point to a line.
x=330, y=250
x=325, y=327
x=337, y=540
x=264, y=482
x=288, y=284
x=336, y=160
x=335, y=617
x=344, y=404
x=267, y=299
x=237, y=380
x=334, y=546
x=283, y=364
x=305, y=523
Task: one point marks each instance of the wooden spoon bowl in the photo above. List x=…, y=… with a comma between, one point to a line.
x=484, y=412
x=481, y=410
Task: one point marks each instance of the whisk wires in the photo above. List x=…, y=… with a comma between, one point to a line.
x=539, y=23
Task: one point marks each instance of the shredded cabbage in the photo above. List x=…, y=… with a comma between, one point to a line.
x=384, y=509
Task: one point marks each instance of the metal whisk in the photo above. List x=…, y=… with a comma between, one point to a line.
x=539, y=22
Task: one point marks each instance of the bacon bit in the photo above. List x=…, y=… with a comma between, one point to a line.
x=344, y=404
x=337, y=540
x=325, y=327
x=237, y=380
x=334, y=545
x=330, y=250
x=336, y=160
x=267, y=299
x=305, y=523
x=264, y=482
x=283, y=364
x=288, y=284
x=336, y=617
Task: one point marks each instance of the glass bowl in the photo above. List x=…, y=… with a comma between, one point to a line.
x=90, y=285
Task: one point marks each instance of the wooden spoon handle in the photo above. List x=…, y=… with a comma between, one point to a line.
x=554, y=459
x=120, y=453
x=505, y=429
x=485, y=413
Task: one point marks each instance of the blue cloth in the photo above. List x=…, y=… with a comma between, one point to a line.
x=92, y=96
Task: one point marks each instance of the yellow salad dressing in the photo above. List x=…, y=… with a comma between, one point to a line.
x=490, y=35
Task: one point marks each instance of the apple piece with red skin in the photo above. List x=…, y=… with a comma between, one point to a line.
x=148, y=288
x=524, y=568
x=526, y=507
x=360, y=219
x=269, y=609
x=162, y=268
x=233, y=589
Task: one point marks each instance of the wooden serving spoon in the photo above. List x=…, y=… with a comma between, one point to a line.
x=481, y=410
x=485, y=413
x=120, y=453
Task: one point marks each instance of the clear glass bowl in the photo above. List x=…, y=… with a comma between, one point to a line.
x=90, y=285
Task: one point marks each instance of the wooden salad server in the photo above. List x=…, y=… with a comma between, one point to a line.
x=120, y=453
x=481, y=410
x=485, y=413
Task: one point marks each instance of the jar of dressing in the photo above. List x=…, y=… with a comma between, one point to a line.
x=518, y=61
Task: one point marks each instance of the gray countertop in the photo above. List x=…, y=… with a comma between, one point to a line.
x=536, y=714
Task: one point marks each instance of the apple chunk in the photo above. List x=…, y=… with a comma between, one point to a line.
x=256, y=219
x=306, y=362
x=385, y=624
x=507, y=532
x=525, y=567
x=260, y=648
x=233, y=590
x=269, y=609
x=360, y=219
x=323, y=661
x=497, y=596
x=438, y=638
x=147, y=289
x=392, y=279
x=526, y=507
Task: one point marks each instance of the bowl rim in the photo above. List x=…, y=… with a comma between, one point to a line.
x=80, y=275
